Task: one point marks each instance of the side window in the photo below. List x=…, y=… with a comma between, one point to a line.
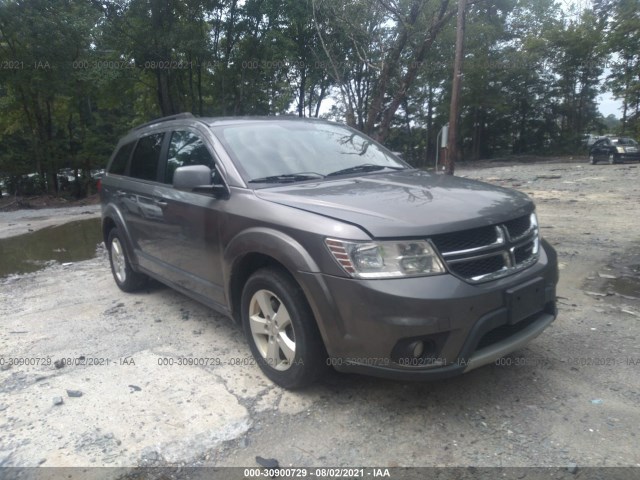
x=119, y=164
x=186, y=148
x=144, y=164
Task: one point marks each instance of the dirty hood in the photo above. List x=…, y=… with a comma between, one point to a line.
x=406, y=203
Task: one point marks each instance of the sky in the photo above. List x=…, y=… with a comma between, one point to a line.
x=606, y=103
x=609, y=105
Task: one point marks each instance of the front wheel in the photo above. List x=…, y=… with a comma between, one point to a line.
x=592, y=160
x=281, y=329
x=612, y=159
x=126, y=278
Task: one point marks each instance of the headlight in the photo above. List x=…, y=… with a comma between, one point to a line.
x=620, y=149
x=393, y=259
x=534, y=224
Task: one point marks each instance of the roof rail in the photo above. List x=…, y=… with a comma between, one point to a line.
x=165, y=119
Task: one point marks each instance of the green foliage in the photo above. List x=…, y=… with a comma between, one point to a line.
x=76, y=75
x=623, y=41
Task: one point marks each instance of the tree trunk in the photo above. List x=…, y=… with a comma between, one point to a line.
x=320, y=99
x=52, y=178
x=301, y=92
x=164, y=94
x=159, y=20
x=475, y=146
x=192, y=93
x=199, y=76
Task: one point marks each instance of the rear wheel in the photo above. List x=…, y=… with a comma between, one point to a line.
x=612, y=159
x=281, y=329
x=126, y=278
x=592, y=160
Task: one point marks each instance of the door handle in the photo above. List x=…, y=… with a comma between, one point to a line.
x=162, y=203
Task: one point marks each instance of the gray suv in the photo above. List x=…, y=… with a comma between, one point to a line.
x=327, y=248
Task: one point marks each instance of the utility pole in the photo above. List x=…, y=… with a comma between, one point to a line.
x=454, y=112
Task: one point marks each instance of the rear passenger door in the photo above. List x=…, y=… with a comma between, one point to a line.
x=188, y=243
x=137, y=198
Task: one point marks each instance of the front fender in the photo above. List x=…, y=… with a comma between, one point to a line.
x=272, y=243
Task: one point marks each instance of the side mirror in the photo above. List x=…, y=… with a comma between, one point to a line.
x=197, y=178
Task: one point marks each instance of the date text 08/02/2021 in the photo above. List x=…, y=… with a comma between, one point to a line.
x=324, y=472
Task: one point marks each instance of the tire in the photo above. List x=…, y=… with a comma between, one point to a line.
x=592, y=160
x=286, y=344
x=612, y=159
x=126, y=278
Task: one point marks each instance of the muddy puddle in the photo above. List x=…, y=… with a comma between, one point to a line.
x=625, y=286
x=71, y=242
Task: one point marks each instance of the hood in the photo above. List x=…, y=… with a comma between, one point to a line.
x=404, y=204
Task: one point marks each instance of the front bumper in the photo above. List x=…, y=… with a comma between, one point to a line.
x=366, y=325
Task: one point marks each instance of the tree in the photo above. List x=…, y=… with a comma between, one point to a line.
x=44, y=41
x=623, y=43
x=578, y=62
x=386, y=43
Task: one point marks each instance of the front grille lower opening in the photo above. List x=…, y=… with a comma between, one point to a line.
x=505, y=331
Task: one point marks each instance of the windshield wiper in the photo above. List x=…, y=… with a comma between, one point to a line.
x=365, y=167
x=288, y=178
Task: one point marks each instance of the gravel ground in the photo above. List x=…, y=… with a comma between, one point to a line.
x=571, y=399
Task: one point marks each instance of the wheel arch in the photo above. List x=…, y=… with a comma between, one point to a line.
x=244, y=267
x=257, y=248
x=112, y=218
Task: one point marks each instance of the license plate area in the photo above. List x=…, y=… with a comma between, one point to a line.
x=525, y=300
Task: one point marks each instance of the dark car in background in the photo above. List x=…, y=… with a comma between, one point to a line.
x=614, y=150
x=326, y=247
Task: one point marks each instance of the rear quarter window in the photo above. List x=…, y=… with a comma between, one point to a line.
x=144, y=164
x=119, y=164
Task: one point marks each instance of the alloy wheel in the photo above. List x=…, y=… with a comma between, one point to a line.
x=119, y=260
x=272, y=330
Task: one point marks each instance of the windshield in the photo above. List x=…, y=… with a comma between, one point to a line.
x=285, y=151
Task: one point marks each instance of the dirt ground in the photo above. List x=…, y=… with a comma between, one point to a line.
x=130, y=395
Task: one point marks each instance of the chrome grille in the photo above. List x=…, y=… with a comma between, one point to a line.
x=465, y=240
x=487, y=253
x=476, y=268
x=518, y=227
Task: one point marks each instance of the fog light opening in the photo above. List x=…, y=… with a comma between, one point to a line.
x=416, y=348
x=418, y=351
